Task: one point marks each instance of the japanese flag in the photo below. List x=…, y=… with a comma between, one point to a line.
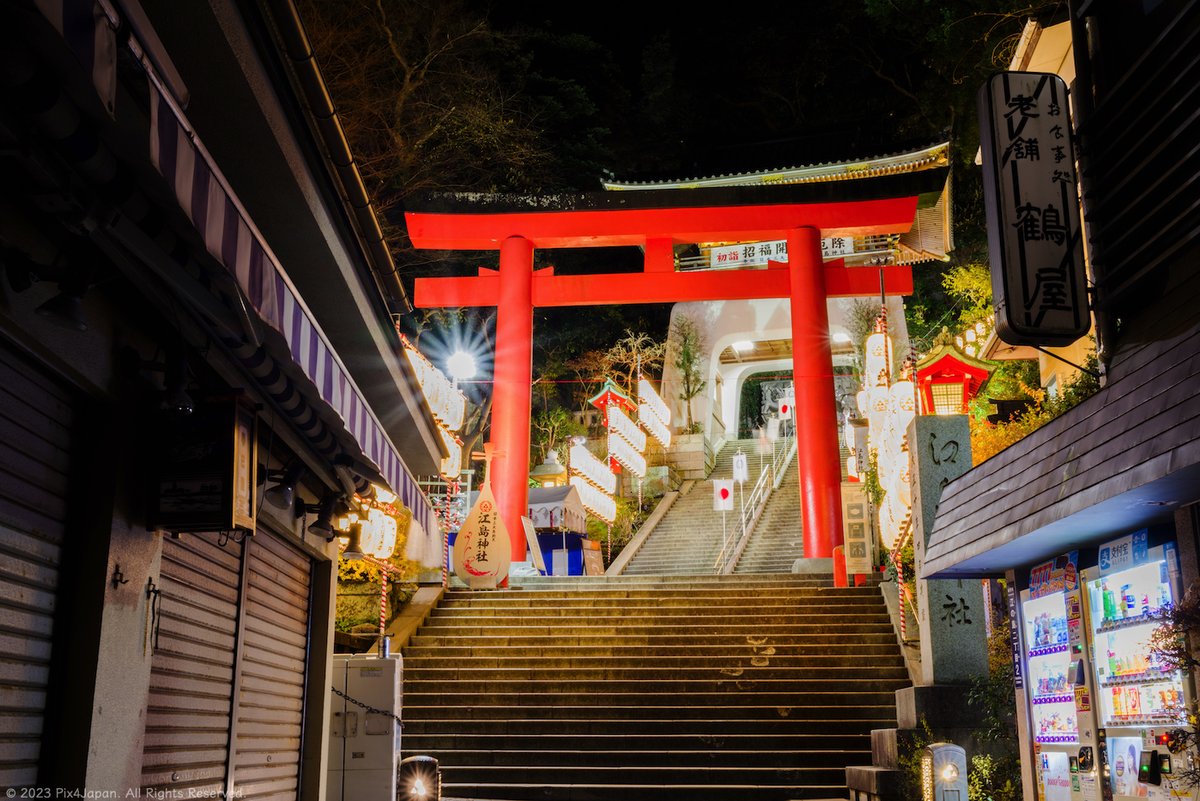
x=722, y=495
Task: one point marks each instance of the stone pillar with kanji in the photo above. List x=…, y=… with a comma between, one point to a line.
x=951, y=611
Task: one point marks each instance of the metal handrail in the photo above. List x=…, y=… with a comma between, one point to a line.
x=768, y=481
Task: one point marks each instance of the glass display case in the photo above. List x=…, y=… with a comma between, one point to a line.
x=1138, y=698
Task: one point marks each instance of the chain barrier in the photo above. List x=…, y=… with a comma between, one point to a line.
x=370, y=709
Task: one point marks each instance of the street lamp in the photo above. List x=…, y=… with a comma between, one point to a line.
x=461, y=366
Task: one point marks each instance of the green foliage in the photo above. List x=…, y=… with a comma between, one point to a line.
x=970, y=284
x=1174, y=642
x=687, y=343
x=549, y=431
x=994, y=775
x=908, y=760
x=629, y=519
x=988, y=439
x=870, y=482
x=750, y=406
x=992, y=778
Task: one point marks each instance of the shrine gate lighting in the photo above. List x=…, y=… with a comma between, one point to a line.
x=657, y=220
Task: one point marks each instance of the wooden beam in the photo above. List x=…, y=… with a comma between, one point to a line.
x=623, y=227
x=652, y=287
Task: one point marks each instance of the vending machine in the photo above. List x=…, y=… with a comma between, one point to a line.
x=1139, y=699
x=1058, y=692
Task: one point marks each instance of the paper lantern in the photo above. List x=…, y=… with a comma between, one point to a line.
x=378, y=536
x=878, y=360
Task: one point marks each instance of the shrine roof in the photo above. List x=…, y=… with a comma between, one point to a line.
x=863, y=206
x=926, y=158
x=926, y=184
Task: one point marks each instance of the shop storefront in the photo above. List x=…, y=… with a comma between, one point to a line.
x=1092, y=519
x=1098, y=702
x=193, y=354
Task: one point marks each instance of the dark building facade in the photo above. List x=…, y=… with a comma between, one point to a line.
x=195, y=313
x=1124, y=465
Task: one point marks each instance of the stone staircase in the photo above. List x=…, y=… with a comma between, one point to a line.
x=673, y=688
x=776, y=542
x=688, y=539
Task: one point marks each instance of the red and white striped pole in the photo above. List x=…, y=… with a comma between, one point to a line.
x=383, y=606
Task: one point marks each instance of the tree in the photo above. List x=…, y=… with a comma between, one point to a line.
x=633, y=354
x=687, y=342
x=970, y=284
x=550, y=428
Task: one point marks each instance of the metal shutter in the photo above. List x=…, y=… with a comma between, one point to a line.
x=36, y=418
x=274, y=653
x=192, y=669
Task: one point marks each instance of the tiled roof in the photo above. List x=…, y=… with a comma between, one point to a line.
x=911, y=161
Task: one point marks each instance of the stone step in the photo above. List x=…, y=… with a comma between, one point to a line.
x=709, y=791
x=553, y=653
x=668, y=641
x=881, y=694
x=868, y=689
x=518, y=707
x=755, y=594
x=667, y=606
x=430, y=723
x=686, y=618
x=657, y=633
x=672, y=688
x=546, y=757
x=634, y=742
x=651, y=670
x=575, y=776
x=616, y=580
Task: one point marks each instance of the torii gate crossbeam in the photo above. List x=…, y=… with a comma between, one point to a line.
x=801, y=214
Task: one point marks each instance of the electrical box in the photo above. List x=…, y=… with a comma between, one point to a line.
x=364, y=730
x=944, y=773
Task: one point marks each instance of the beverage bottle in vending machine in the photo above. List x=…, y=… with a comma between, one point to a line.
x=1110, y=605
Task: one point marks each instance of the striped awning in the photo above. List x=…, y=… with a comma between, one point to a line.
x=232, y=239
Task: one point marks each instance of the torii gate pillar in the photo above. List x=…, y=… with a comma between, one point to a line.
x=818, y=460
x=511, y=390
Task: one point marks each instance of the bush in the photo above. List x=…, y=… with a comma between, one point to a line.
x=988, y=439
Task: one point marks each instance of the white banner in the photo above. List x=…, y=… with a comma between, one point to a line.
x=756, y=254
x=741, y=467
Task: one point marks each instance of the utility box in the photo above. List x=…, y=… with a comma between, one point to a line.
x=364, y=737
x=944, y=773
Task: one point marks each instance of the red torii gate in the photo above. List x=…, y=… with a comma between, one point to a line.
x=656, y=220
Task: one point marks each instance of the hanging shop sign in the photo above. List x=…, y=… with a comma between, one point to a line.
x=207, y=469
x=1030, y=189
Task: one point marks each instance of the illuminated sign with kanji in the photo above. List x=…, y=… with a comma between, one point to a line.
x=1039, y=285
x=754, y=254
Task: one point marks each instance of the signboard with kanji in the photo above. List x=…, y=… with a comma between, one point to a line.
x=757, y=254
x=1039, y=286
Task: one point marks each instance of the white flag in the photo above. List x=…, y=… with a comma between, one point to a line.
x=741, y=467
x=722, y=495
